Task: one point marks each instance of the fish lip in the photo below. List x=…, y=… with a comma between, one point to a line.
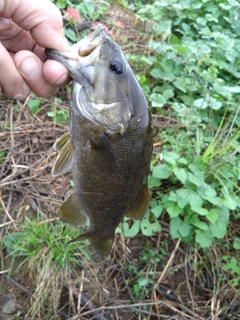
x=80, y=49
x=88, y=44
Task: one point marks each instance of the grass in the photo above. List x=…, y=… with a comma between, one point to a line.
x=45, y=258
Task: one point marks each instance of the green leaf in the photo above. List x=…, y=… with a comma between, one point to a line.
x=181, y=49
x=168, y=94
x=178, y=228
x=195, y=179
x=184, y=229
x=175, y=224
x=230, y=203
x=206, y=191
x=174, y=211
x=133, y=230
x=172, y=197
x=171, y=157
x=161, y=171
x=212, y=215
x=71, y=34
x=201, y=225
x=2, y=155
x=159, y=74
x=204, y=238
x=185, y=196
x=233, y=266
x=150, y=228
x=214, y=200
x=200, y=103
x=51, y=114
x=34, y=105
x=157, y=99
x=180, y=84
x=236, y=243
x=153, y=182
x=218, y=229
x=143, y=282
x=180, y=173
x=61, y=4
x=157, y=211
x=200, y=210
x=196, y=202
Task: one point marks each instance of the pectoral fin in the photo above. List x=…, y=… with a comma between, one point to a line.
x=102, y=245
x=102, y=150
x=71, y=212
x=63, y=162
x=138, y=210
x=61, y=141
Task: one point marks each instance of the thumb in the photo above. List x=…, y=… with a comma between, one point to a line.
x=41, y=17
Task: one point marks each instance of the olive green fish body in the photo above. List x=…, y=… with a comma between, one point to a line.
x=109, y=174
x=110, y=142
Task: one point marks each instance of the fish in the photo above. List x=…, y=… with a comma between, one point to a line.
x=109, y=145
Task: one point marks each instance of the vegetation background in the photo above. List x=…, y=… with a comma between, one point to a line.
x=182, y=260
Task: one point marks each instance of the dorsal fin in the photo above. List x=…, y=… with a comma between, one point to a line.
x=63, y=162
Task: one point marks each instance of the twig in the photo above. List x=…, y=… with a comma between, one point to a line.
x=134, y=306
x=80, y=291
x=48, y=221
x=170, y=260
x=6, y=224
x=5, y=209
x=92, y=309
x=188, y=284
x=28, y=292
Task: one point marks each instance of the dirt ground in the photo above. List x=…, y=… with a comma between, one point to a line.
x=183, y=282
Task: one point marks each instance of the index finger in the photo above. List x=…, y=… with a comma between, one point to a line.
x=41, y=17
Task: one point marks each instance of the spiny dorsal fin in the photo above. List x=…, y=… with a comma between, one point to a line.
x=138, y=210
x=63, y=162
x=61, y=141
x=71, y=212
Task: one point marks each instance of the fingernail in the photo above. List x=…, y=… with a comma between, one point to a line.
x=22, y=95
x=30, y=68
x=61, y=80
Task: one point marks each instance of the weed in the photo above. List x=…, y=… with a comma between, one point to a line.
x=45, y=258
x=192, y=75
x=34, y=105
x=57, y=113
x=2, y=155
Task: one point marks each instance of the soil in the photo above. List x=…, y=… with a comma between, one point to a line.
x=106, y=288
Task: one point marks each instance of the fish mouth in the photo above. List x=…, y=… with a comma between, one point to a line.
x=88, y=44
x=81, y=49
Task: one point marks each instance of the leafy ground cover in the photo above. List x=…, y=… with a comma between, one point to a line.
x=182, y=260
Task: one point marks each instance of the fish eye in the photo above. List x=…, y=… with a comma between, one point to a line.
x=116, y=66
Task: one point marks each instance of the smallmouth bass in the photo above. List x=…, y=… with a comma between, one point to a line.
x=110, y=141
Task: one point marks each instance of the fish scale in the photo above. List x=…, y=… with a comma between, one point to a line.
x=110, y=142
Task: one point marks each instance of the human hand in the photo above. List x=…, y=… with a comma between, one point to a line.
x=26, y=28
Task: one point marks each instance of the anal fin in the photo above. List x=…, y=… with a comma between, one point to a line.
x=63, y=162
x=102, y=245
x=138, y=210
x=71, y=212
